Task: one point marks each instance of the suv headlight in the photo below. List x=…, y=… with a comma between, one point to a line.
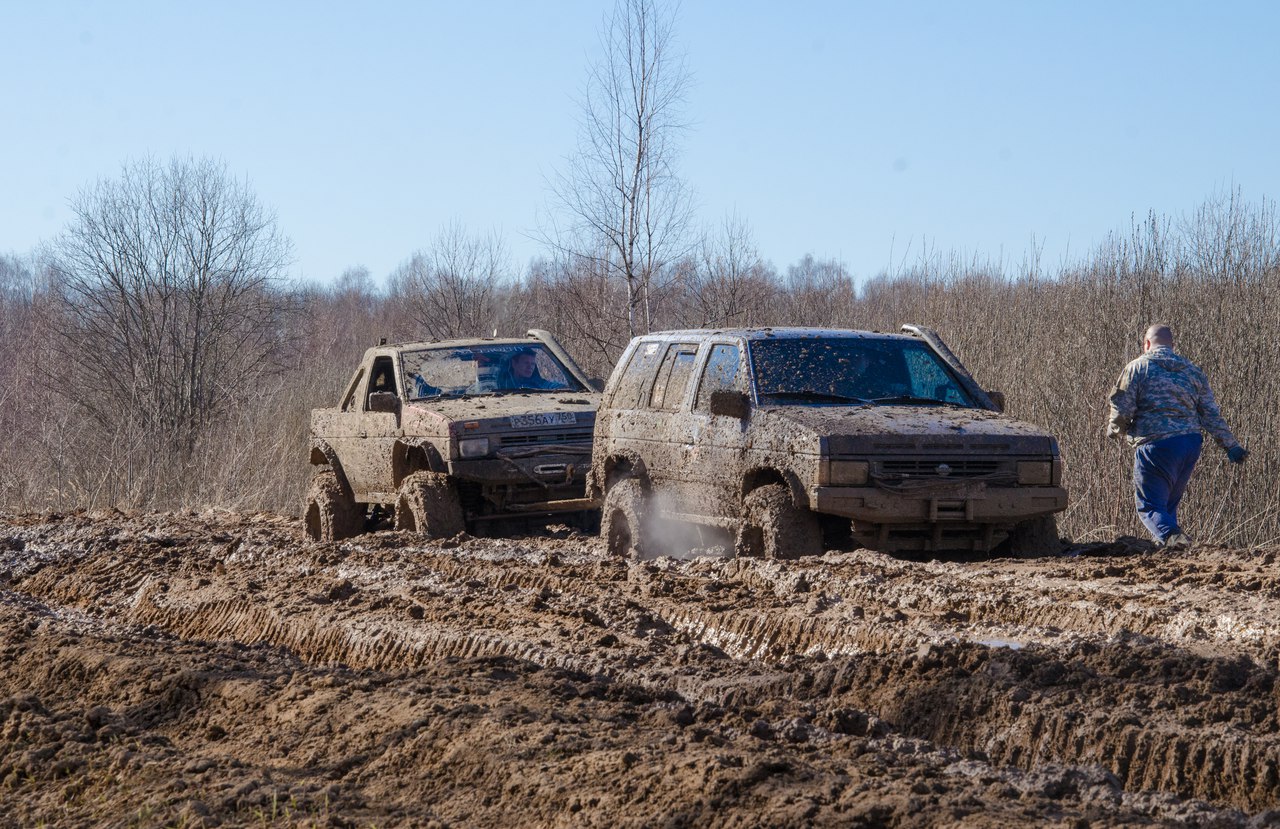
x=473, y=447
x=847, y=473
x=1035, y=473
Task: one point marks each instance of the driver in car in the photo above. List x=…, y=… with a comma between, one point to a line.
x=521, y=372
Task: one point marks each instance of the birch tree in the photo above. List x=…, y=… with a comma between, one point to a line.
x=626, y=209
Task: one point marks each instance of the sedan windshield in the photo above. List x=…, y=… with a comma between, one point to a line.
x=484, y=369
x=853, y=370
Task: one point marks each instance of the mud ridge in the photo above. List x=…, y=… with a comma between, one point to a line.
x=1160, y=671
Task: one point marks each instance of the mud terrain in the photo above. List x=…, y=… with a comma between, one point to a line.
x=220, y=670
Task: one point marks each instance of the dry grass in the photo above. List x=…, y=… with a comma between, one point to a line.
x=1053, y=342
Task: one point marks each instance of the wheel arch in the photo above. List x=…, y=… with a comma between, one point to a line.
x=761, y=476
x=415, y=455
x=323, y=454
x=624, y=464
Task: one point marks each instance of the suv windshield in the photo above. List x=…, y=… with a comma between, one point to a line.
x=835, y=370
x=484, y=369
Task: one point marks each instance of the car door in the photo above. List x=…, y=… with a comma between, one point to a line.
x=364, y=437
x=665, y=417
x=712, y=468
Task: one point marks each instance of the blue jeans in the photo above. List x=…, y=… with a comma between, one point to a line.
x=1161, y=470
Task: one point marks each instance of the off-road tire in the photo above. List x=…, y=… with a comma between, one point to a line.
x=1033, y=538
x=428, y=504
x=774, y=527
x=330, y=513
x=622, y=519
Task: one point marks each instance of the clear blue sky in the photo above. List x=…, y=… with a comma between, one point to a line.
x=849, y=130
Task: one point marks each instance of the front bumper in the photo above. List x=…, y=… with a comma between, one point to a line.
x=970, y=505
x=553, y=470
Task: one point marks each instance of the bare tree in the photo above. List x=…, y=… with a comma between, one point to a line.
x=626, y=207
x=163, y=298
x=729, y=283
x=821, y=292
x=450, y=289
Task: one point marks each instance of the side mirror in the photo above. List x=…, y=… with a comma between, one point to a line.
x=596, y=383
x=730, y=403
x=384, y=401
x=997, y=397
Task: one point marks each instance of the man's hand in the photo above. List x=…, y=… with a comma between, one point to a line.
x=1237, y=454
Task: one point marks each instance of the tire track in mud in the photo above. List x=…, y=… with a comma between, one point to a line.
x=1192, y=762
x=326, y=641
x=978, y=604
x=1114, y=670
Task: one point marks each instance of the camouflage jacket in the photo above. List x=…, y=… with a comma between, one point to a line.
x=1162, y=394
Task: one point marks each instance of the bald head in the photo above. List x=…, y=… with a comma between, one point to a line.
x=1158, y=334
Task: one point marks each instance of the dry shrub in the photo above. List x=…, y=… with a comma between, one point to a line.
x=1053, y=342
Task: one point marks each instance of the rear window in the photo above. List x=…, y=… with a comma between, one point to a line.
x=633, y=386
x=673, y=376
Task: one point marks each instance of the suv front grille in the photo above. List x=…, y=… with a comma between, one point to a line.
x=538, y=440
x=933, y=468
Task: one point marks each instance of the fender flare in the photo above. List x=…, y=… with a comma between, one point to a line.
x=623, y=462
x=415, y=455
x=322, y=454
x=766, y=475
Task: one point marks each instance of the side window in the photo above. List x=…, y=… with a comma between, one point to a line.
x=928, y=379
x=673, y=376
x=381, y=378
x=637, y=377
x=721, y=374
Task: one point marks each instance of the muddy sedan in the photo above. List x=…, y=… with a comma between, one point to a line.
x=794, y=439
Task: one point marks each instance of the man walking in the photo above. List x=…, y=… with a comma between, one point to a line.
x=1161, y=402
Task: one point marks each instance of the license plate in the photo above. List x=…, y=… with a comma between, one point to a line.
x=549, y=419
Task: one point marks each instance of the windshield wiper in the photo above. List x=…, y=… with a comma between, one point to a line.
x=911, y=398
x=810, y=394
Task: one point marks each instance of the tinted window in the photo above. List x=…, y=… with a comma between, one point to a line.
x=721, y=374
x=673, y=377
x=632, y=388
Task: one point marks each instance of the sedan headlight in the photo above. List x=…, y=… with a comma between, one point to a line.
x=1035, y=473
x=473, y=447
x=847, y=473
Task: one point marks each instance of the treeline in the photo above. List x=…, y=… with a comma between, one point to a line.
x=180, y=373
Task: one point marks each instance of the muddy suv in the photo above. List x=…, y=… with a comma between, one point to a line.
x=452, y=435
x=791, y=439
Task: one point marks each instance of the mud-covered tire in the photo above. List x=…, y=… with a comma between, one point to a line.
x=330, y=513
x=622, y=519
x=428, y=504
x=1033, y=538
x=774, y=527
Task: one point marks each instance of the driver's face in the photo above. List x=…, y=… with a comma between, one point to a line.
x=522, y=366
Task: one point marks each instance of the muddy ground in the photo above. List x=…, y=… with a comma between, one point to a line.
x=215, y=669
